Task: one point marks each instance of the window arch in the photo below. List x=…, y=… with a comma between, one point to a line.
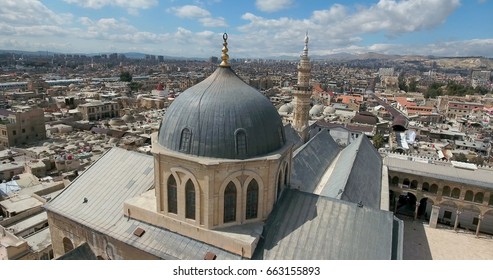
x=406, y=183
x=172, y=195
x=230, y=203
x=469, y=196
x=252, y=200
x=446, y=191
x=433, y=188
x=67, y=245
x=185, y=139
x=425, y=187
x=189, y=200
x=478, y=198
x=414, y=184
x=241, y=142
x=456, y=193
x=395, y=180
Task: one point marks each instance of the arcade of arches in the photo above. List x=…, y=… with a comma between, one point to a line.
x=438, y=201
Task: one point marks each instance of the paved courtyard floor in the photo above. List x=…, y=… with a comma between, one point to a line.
x=424, y=243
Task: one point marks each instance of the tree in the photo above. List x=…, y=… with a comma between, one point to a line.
x=378, y=141
x=125, y=76
x=413, y=85
x=402, y=83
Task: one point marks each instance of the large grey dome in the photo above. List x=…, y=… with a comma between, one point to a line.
x=222, y=117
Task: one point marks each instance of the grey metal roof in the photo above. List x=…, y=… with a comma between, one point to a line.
x=480, y=177
x=214, y=110
x=311, y=160
x=116, y=176
x=311, y=227
x=357, y=176
x=82, y=252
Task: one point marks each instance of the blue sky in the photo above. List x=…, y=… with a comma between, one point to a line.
x=261, y=28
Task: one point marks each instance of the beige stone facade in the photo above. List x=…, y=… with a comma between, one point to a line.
x=22, y=127
x=67, y=235
x=209, y=179
x=449, y=202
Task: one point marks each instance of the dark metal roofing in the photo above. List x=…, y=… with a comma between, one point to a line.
x=311, y=161
x=117, y=176
x=305, y=226
x=83, y=252
x=214, y=111
x=357, y=175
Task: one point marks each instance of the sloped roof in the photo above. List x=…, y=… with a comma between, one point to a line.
x=117, y=176
x=357, y=176
x=310, y=227
x=311, y=160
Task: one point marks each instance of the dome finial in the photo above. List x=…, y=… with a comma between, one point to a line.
x=225, y=56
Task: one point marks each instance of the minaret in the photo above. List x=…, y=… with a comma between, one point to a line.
x=302, y=93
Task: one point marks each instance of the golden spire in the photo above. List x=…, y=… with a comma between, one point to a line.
x=225, y=56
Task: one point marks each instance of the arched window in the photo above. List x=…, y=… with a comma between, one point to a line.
x=252, y=200
x=395, y=180
x=67, y=245
x=230, y=203
x=426, y=187
x=241, y=142
x=190, y=200
x=172, y=195
x=406, y=183
x=433, y=188
x=478, y=198
x=469, y=196
x=446, y=191
x=456, y=193
x=490, y=202
x=414, y=184
x=186, y=137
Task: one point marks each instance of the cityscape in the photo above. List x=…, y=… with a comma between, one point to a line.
x=274, y=130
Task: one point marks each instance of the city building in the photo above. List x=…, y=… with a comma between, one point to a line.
x=226, y=180
x=97, y=110
x=21, y=126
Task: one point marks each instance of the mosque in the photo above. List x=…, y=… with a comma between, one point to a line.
x=227, y=180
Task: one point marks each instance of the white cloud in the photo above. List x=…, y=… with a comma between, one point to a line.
x=30, y=12
x=126, y=4
x=273, y=5
x=340, y=26
x=189, y=11
x=213, y=22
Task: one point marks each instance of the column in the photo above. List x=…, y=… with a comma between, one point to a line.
x=457, y=214
x=435, y=211
x=416, y=210
x=480, y=218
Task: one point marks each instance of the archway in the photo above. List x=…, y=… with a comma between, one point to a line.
x=434, y=189
x=448, y=212
x=67, y=245
x=406, y=183
x=406, y=205
x=469, y=217
x=395, y=181
x=414, y=184
x=424, y=209
x=426, y=187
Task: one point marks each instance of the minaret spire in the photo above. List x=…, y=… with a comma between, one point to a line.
x=302, y=94
x=225, y=56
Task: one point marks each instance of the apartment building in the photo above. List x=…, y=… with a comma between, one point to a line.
x=21, y=126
